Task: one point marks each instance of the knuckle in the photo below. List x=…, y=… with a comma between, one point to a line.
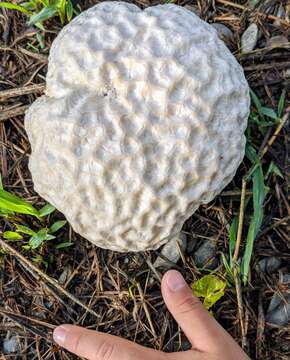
x=189, y=304
x=105, y=351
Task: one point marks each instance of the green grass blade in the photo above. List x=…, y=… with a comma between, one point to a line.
x=1, y=183
x=12, y=235
x=13, y=203
x=233, y=237
x=56, y=226
x=281, y=104
x=256, y=102
x=10, y=6
x=45, y=14
x=259, y=194
x=24, y=230
x=46, y=210
x=69, y=10
x=270, y=113
x=64, y=245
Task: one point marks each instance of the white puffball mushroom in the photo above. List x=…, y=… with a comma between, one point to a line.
x=143, y=120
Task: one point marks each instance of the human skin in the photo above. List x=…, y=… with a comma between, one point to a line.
x=208, y=339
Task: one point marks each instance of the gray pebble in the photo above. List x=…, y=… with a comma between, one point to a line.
x=11, y=345
x=279, y=309
x=269, y=264
x=249, y=38
x=171, y=252
x=205, y=256
x=278, y=41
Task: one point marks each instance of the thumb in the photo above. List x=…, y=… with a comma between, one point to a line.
x=93, y=345
x=202, y=330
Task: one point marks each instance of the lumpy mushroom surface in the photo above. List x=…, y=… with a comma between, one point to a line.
x=142, y=121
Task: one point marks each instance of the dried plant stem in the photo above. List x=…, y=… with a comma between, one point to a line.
x=30, y=89
x=274, y=136
x=8, y=114
x=45, y=278
x=241, y=221
x=240, y=305
x=145, y=307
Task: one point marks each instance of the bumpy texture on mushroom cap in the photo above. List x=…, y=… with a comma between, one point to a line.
x=142, y=121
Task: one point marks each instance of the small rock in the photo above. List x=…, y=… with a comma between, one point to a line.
x=249, y=38
x=11, y=345
x=224, y=33
x=64, y=275
x=269, y=264
x=171, y=252
x=278, y=41
x=191, y=244
x=279, y=309
x=193, y=9
x=204, y=257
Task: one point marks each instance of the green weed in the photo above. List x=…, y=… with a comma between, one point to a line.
x=39, y=11
x=11, y=206
x=261, y=118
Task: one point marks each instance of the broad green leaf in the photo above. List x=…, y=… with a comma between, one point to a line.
x=13, y=203
x=56, y=226
x=64, y=245
x=46, y=210
x=11, y=6
x=211, y=288
x=12, y=235
x=24, y=230
x=45, y=14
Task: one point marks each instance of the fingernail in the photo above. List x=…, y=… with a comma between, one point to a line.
x=175, y=281
x=59, y=335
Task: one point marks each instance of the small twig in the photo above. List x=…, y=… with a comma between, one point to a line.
x=8, y=114
x=271, y=66
x=240, y=305
x=241, y=221
x=145, y=307
x=274, y=136
x=45, y=277
x=35, y=88
x=27, y=318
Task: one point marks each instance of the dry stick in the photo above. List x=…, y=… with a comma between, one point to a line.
x=274, y=136
x=35, y=88
x=45, y=277
x=240, y=305
x=241, y=221
x=146, y=309
x=7, y=114
x=23, y=317
x=241, y=7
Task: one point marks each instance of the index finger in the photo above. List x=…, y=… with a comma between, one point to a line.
x=94, y=345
